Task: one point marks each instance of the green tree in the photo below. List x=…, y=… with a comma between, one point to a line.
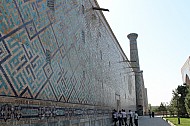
x=187, y=101
x=155, y=109
x=179, y=95
x=162, y=108
x=150, y=107
x=183, y=91
x=172, y=107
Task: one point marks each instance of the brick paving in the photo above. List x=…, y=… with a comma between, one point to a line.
x=156, y=121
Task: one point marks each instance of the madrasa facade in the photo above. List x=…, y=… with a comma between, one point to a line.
x=185, y=71
x=61, y=65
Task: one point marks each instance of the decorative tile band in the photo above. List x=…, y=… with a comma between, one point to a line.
x=20, y=109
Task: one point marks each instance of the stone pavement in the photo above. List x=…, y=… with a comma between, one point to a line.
x=156, y=121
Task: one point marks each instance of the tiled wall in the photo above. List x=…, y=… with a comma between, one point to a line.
x=59, y=65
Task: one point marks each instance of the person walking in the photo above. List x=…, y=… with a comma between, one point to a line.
x=130, y=118
x=152, y=114
x=136, y=118
x=120, y=118
x=115, y=117
x=149, y=112
x=124, y=117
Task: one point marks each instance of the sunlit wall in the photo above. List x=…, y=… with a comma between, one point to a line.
x=60, y=64
x=185, y=70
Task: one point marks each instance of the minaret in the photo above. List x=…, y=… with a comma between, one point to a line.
x=134, y=51
x=139, y=83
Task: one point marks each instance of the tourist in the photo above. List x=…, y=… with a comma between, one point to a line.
x=136, y=118
x=115, y=117
x=124, y=117
x=130, y=118
x=120, y=118
x=149, y=113
x=152, y=114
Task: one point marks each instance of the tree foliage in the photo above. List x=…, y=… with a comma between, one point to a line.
x=187, y=101
x=172, y=107
x=162, y=107
x=183, y=91
x=178, y=102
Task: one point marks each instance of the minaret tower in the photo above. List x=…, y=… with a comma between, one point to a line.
x=139, y=83
x=134, y=57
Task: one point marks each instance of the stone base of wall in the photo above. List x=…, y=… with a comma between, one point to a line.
x=83, y=122
x=29, y=112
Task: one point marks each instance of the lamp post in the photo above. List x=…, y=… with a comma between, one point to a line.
x=179, y=95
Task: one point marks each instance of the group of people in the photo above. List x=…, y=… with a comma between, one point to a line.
x=151, y=114
x=122, y=117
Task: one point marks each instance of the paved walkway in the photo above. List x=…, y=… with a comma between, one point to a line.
x=156, y=121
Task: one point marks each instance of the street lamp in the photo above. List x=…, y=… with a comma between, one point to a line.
x=178, y=96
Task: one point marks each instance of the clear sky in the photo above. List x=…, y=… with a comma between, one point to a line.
x=163, y=27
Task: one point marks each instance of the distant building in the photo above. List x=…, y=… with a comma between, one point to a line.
x=185, y=71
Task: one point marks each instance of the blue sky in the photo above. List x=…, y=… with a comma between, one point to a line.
x=163, y=27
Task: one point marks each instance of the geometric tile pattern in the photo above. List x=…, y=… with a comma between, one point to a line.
x=63, y=54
